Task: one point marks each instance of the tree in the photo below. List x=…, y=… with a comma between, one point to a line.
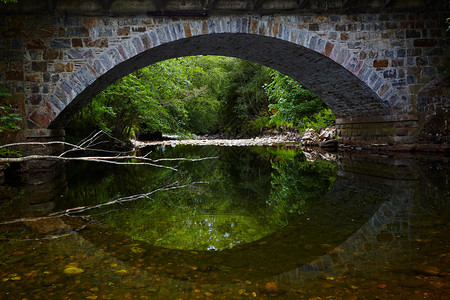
x=294, y=105
x=8, y=119
x=242, y=95
x=201, y=94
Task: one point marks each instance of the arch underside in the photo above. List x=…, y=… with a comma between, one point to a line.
x=344, y=93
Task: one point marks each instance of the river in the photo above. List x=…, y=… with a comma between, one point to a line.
x=247, y=223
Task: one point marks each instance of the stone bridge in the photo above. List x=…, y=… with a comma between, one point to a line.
x=378, y=65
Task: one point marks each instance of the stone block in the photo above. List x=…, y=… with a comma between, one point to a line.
x=413, y=34
x=36, y=44
x=425, y=42
x=32, y=77
x=89, y=22
x=79, y=53
x=380, y=63
x=14, y=75
x=44, y=115
x=328, y=48
x=61, y=43
x=50, y=54
x=77, y=43
x=98, y=67
x=34, y=99
x=123, y=31
x=39, y=66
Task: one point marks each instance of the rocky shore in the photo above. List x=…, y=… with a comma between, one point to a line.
x=325, y=138
x=216, y=141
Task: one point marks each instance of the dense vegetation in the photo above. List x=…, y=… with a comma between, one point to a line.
x=199, y=95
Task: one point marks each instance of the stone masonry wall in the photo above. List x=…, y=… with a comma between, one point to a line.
x=49, y=61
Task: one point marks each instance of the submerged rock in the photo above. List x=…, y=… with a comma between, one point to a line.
x=326, y=138
x=73, y=270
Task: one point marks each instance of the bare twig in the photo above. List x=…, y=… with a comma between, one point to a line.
x=80, y=209
x=87, y=144
x=99, y=159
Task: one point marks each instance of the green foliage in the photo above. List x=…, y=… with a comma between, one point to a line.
x=173, y=96
x=294, y=105
x=8, y=1
x=8, y=119
x=299, y=182
x=202, y=94
x=242, y=95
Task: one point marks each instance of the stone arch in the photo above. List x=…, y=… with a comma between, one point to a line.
x=345, y=83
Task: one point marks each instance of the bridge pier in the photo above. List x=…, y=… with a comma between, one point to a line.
x=36, y=172
x=395, y=133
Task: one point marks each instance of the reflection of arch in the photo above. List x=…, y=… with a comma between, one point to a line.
x=349, y=207
x=346, y=83
x=364, y=240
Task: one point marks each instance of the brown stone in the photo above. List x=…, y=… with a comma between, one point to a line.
x=380, y=63
x=123, y=31
x=275, y=29
x=69, y=67
x=96, y=43
x=254, y=26
x=42, y=116
x=89, y=22
x=39, y=66
x=204, y=27
x=187, y=29
x=16, y=65
x=344, y=36
x=425, y=42
x=50, y=54
x=45, y=32
x=59, y=67
x=35, y=99
x=15, y=21
x=14, y=75
x=12, y=33
x=36, y=44
x=328, y=48
x=77, y=43
x=271, y=287
x=32, y=77
x=391, y=25
x=139, y=29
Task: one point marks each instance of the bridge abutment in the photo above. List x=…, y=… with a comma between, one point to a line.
x=393, y=133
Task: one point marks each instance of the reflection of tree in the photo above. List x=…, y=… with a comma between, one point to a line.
x=231, y=209
x=297, y=183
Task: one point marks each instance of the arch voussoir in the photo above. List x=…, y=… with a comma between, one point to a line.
x=328, y=51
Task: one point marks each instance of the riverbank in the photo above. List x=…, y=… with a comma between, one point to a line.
x=290, y=138
x=266, y=140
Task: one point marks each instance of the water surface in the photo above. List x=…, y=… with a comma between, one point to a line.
x=247, y=223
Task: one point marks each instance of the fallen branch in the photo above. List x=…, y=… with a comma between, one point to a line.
x=76, y=210
x=86, y=145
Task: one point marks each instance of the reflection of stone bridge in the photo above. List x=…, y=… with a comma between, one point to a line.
x=370, y=61
x=380, y=230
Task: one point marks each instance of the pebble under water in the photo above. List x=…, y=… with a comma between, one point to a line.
x=248, y=223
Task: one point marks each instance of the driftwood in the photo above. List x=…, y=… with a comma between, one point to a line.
x=90, y=144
